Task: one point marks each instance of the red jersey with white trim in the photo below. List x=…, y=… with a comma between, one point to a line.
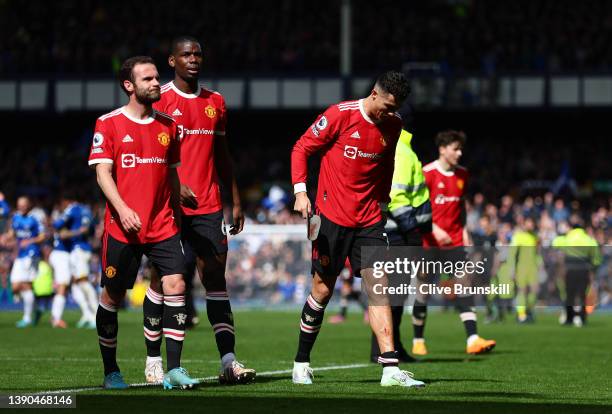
x=141, y=151
x=357, y=158
x=446, y=190
x=201, y=119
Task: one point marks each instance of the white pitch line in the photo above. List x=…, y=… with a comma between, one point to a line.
x=260, y=374
x=57, y=359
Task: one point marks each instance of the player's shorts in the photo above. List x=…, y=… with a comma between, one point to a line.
x=526, y=275
x=79, y=262
x=121, y=261
x=335, y=243
x=205, y=233
x=25, y=269
x=60, y=262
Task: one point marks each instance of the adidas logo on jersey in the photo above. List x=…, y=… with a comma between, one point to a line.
x=127, y=138
x=355, y=135
x=441, y=185
x=177, y=112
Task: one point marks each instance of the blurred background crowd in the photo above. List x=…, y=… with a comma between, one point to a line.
x=280, y=35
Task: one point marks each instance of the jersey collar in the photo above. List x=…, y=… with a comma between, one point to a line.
x=363, y=112
x=183, y=94
x=441, y=171
x=145, y=121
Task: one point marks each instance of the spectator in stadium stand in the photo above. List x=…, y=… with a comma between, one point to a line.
x=357, y=140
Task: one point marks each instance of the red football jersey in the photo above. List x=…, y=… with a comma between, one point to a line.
x=446, y=189
x=357, y=158
x=141, y=151
x=200, y=119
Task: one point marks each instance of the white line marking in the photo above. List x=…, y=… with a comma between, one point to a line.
x=56, y=359
x=206, y=379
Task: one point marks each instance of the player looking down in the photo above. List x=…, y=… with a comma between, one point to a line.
x=357, y=142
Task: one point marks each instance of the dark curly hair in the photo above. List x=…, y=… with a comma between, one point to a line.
x=395, y=83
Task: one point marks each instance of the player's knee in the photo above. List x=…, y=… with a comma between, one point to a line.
x=112, y=297
x=173, y=285
x=214, y=280
x=321, y=292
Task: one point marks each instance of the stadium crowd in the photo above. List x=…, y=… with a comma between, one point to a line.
x=279, y=35
x=275, y=268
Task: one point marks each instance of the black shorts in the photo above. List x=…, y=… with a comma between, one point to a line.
x=121, y=261
x=335, y=243
x=205, y=233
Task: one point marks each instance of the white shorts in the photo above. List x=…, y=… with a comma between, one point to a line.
x=60, y=262
x=79, y=263
x=25, y=269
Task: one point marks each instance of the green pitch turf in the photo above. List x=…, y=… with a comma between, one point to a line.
x=540, y=368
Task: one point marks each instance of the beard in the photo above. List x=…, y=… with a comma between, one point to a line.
x=147, y=96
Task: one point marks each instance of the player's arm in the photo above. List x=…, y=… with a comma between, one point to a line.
x=320, y=134
x=175, y=196
x=225, y=169
x=129, y=218
x=39, y=238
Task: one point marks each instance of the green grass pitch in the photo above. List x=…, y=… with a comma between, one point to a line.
x=540, y=368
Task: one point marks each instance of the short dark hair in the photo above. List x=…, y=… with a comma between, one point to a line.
x=395, y=83
x=127, y=69
x=450, y=136
x=180, y=40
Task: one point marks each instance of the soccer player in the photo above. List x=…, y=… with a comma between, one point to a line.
x=135, y=152
x=410, y=209
x=206, y=166
x=357, y=141
x=447, y=181
x=59, y=259
x=73, y=227
x=29, y=233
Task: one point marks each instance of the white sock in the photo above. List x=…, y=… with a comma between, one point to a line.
x=417, y=340
x=57, y=307
x=28, y=304
x=90, y=297
x=79, y=298
x=300, y=364
x=227, y=359
x=390, y=370
x=152, y=359
x=471, y=339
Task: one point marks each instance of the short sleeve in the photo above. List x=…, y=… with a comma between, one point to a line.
x=222, y=118
x=102, y=150
x=174, y=152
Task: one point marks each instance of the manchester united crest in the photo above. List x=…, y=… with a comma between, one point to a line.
x=110, y=272
x=460, y=184
x=210, y=112
x=164, y=138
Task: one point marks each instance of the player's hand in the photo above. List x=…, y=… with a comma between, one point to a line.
x=238, y=217
x=302, y=205
x=441, y=236
x=24, y=243
x=188, y=197
x=130, y=220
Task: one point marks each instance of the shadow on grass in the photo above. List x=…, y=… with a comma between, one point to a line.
x=405, y=403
